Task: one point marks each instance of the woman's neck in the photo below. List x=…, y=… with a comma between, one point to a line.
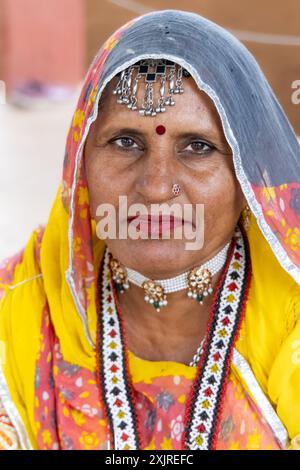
x=173, y=333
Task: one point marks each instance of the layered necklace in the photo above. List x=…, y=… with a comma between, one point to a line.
x=204, y=404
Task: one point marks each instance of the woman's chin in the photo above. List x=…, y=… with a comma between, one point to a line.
x=153, y=256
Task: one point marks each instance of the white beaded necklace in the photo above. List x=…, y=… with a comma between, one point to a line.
x=197, y=355
x=180, y=282
x=197, y=281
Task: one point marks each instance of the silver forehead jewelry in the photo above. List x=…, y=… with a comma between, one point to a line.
x=176, y=189
x=149, y=72
x=197, y=281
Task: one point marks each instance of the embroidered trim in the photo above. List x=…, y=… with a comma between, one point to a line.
x=206, y=398
x=8, y=437
x=114, y=373
x=261, y=400
x=13, y=413
x=204, y=405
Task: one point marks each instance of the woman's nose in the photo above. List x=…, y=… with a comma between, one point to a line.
x=155, y=180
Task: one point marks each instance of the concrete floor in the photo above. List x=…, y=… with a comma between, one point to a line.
x=31, y=155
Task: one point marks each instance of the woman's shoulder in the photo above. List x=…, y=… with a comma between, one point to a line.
x=272, y=331
x=24, y=266
x=272, y=309
x=273, y=289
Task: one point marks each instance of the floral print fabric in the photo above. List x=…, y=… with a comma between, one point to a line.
x=286, y=223
x=8, y=435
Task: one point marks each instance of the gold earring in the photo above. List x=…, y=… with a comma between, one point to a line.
x=246, y=217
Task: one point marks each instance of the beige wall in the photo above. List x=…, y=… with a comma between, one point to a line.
x=281, y=64
x=2, y=40
x=42, y=40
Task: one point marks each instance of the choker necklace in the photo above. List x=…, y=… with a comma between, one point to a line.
x=197, y=281
x=204, y=404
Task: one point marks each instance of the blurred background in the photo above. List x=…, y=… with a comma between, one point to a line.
x=45, y=49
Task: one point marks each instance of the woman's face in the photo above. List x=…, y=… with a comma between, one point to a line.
x=124, y=156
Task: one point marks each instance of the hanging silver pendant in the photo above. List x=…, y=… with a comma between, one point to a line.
x=149, y=72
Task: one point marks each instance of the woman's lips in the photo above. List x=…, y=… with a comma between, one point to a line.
x=153, y=225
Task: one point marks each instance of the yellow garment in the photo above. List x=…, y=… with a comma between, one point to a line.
x=269, y=339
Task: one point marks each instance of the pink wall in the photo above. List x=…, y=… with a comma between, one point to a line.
x=44, y=40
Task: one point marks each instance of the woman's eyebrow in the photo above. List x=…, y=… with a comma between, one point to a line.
x=201, y=134
x=127, y=130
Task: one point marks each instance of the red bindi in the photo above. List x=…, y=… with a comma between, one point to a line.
x=160, y=130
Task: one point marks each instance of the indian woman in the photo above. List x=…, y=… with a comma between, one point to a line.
x=119, y=332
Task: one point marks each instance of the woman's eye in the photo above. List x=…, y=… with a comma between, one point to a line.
x=125, y=143
x=198, y=146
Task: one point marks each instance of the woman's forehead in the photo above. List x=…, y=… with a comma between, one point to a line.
x=192, y=108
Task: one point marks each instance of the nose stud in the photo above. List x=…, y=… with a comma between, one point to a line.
x=176, y=189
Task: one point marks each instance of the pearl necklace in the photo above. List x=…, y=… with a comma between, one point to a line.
x=197, y=281
x=180, y=282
